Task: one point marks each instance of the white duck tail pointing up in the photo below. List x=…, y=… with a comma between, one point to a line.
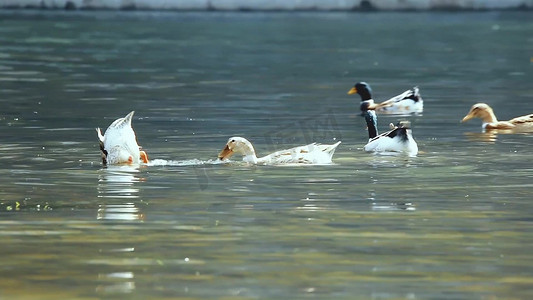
x=119, y=143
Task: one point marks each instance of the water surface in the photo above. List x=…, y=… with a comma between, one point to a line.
x=452, y=223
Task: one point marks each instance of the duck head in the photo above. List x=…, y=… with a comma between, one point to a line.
x=237, y=145
x=363, y=89
x=482, y=111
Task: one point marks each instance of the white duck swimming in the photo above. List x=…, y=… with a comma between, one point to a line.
x=407, y=102
x=119, y=144
x=399, y=139
x=309, y=154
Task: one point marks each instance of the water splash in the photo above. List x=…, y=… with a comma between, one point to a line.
x=183, y=163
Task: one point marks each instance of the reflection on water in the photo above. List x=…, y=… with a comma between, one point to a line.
x=119, y=182
x=487, y=137
x=491, y=136
x=407, y=206
x=119, y=212
x=119, y=187
x=116, y=283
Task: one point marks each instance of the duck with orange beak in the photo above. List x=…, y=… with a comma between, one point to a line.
x=309, y=154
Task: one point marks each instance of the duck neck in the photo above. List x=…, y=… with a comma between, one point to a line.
x=371, y=123
x=489, y=117
x=365, y=95
x=248, y=152
x=367, y=105
x=251, y=158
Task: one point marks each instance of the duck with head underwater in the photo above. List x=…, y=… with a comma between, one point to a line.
x=119, y=143
x=398, y=139
x=407, y=102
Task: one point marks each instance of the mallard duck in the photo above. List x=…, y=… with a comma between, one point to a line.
x=309, y=154
x=398, y=139
x=487, y=116
x=119, y=144
x=409, y=101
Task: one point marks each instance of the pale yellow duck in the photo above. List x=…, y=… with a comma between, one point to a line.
x=490, y=122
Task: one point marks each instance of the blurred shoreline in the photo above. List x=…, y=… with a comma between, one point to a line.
x=272, y=5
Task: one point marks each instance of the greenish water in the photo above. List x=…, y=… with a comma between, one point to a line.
x=453, y=223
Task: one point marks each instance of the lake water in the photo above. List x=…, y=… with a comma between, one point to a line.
x=452, y=223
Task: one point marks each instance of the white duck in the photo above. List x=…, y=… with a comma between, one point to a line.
x=119, y=144
x=407, y=102
x=399, y=139
x=309, y=154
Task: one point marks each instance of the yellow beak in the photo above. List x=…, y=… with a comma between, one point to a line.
x=352, y=91
x=225, y=153
x=467, y=117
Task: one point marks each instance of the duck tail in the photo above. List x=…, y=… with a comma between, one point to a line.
x=123, y=122
x=330, y=149
x=101, y=143
x=415, y=94
x=128, y=117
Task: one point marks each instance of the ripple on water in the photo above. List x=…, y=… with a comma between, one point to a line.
x=20, y=79
x=15, y=147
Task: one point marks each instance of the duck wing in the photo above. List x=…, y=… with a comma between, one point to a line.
x=523, y=120
x=396, y=140
x=386, y=141
x=411, y=94
x=391, y=133
x=309, y=154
